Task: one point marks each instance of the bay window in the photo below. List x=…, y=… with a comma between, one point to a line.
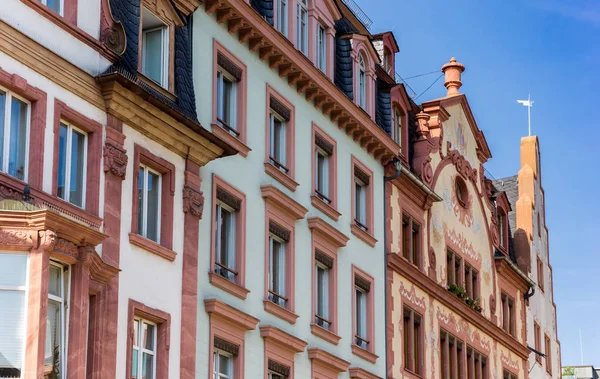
x=56, y=324
x=15, y=117
x=13, y=302
x=143, y=361
x=155, y=48
x=278, y=239
x=302, y=26
x=72, y=157
x=321, y=48
x=149, y=202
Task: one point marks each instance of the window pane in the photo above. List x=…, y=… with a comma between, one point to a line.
x=136, y=331
x=2, y=117
x=141, y=198
x=134, y=363
x=220, y=95
x=148, y=336
x=153, y=59
x=13, y=270
x=153, y=206
x=147, y=366
x=223, y=364
x=62, y=161
x=12, y=332
x=54, y=336
x=18, y=135
x=77, y=167
x=54, y=5
x=54, y=281
x=228, y=102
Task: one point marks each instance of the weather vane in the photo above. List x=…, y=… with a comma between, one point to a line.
x=528, y=103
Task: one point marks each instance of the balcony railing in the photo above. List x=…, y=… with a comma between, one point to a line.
x=359, y=13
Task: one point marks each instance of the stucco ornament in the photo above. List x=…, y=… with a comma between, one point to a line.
x=193, y=201
x=411, y=296
x=463, y=166
x=115, y=160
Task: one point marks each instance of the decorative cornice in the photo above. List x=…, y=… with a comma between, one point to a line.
x=193, y=201
x=217, y=308
x=359, y=373
x=442, y=295
x=272, y=47
x=331, y=234
x=328, y=360
x=271, y=194
x=284, y=339
x=115, y=160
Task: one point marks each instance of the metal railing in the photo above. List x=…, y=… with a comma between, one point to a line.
x=359, y=13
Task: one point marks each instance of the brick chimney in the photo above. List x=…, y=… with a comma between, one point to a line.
x=452, y=71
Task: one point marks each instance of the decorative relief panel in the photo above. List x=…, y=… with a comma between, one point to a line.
x=193, y=201
x=410, y=296
x=115, y=160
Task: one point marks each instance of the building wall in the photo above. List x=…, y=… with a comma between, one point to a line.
x=247, y=174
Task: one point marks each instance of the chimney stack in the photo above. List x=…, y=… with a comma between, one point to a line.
x=452, y=71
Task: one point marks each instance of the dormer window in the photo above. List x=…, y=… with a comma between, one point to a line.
x=321, y=48
x=397, y=115
x=302, y=26
x=502, y=228
x=282, y=17
x=55, y=5
x=155, y=48
x=362, y=83
x=387, y=61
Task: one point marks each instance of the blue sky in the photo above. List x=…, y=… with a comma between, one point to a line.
x=551, y=49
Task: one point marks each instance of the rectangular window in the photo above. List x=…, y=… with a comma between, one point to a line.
x=537, y=334
x=15, y=115
x=361, y=184
x=149, y=196
x=454, y=268
x=302, y=26
x=143, y=354
x=228, y=76
x=278, y=239
x=361, y=315
x=540, y=273
x=453, y=359
x=508, y=315
x=282, y=16
x=397, y=125
x=476, y=364
x=13, y=290
x=501, y=228
x=323, y=266
x=362, y=83
x=411, y=240
x=509, y=375
x=277, y=370
x=55, y=5
x=56, y=325
x=72, y=158
x=322, y=171
x=548, y=351
x=321, y=48
x=278, y=140
x=225, y=239
x=223, y=365
x=413, y=342
x=155, y=48
x=471, y=282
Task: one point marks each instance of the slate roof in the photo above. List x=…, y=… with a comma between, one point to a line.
x=383, y=110
x=343, y=76
x=264, y=8
x=510, y=186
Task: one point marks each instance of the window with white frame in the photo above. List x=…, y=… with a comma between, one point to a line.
x=278, y=238
x=143, y=355
x=72, y=157
x=226, y=214
x=321, y=48
x=362, y=82
x=361, y=184
x=323, y=154
x=361, y=289
x=155, y=48
x=397, y=125
x=275, y=375
x=228, y=78
x=55, y=5
x=15, y=115
x=277, y=370
x=13, y=309
x=222, y=365
x=302, y=26
x=278, y=122
x=149, y=196
x=282, y=16
x=323, y=266
x=56, y=324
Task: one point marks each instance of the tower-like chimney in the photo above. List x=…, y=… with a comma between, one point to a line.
x=452, y=71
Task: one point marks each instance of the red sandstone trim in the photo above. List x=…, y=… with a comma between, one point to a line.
x=279, y=311
x=167, y=170
x=281, y=347
x=62, y=112
x=37, y=125
x=163, y=333
x=325, y=334
x=364, y=354
x=326, y=365
x=327, y=209
x=218, y=308
x=152, y=247
x=359, y=373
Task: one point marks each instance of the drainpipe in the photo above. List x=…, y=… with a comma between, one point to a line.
x=398, y=167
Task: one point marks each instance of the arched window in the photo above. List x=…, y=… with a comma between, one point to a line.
x=502, y=228
x=362, y=83
x=302, y=26
x=397, y=116
x=461, y=192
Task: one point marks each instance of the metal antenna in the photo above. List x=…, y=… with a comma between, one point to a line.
x=528, y=103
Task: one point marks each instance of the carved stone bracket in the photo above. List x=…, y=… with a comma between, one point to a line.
x=193, y=201
x=47, y=239
x=115, y=160
x=112, y=32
